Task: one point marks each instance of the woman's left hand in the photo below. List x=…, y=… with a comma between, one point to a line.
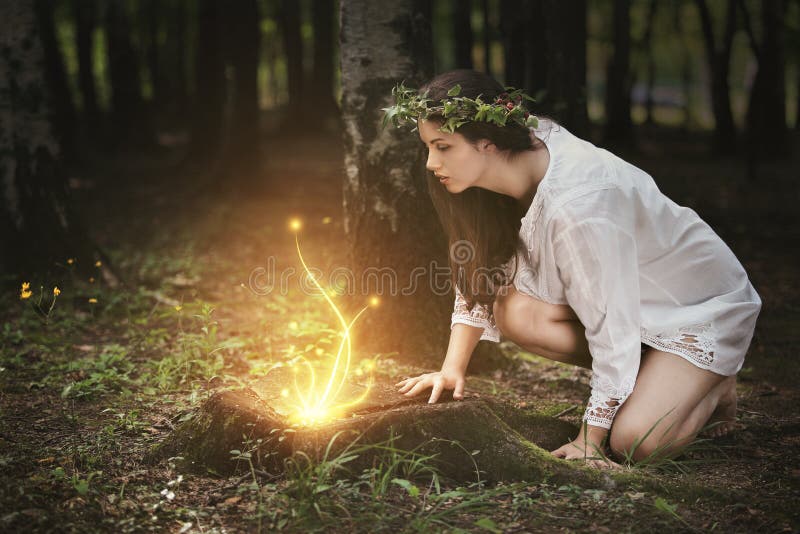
x=580, y=449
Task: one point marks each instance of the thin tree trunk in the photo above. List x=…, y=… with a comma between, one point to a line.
x=650, y=58
x=487, y=38
x=536, y=56
x=566, y=73
x=718, y=59
x=289, y=17
x=618, y=77
x=153, y=60
x=389, y=221
x=244, y=46
x=85, y=21
x=462, y=33
x=123, y=66
x=513, y=22
x=62, y=107
x=37, y=225
x=209, y=98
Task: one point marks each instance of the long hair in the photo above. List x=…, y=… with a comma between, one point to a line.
x=482, y=226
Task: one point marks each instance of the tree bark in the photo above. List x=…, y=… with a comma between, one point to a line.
x=718, y=59
x=85, y=20
x=618, y=78
x=389, y=220
x=565, y=30
x=37, y=225
x=462, y=33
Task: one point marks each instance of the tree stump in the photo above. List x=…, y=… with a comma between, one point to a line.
x=471, y=439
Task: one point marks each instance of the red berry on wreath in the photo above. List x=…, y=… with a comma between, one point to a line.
x=510, y=105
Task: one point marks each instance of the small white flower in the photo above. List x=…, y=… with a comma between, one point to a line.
x=170, y=496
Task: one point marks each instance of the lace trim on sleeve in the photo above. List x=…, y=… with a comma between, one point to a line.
x=604, y=402
x=479, y=316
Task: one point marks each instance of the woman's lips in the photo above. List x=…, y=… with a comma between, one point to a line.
x=442, y=179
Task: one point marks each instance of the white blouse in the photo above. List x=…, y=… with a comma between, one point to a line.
x=633, y=265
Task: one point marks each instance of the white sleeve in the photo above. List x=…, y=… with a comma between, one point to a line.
x=598, y=265
x=480, y=316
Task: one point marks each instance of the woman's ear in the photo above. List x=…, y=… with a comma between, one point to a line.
x=486, y=146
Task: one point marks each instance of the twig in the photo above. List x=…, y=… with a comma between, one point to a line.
x=565, y=412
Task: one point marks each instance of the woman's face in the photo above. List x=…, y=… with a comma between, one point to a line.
x=455, y=161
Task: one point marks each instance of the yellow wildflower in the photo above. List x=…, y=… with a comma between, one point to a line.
x=25, y=292
x=70, y=261
x=98, y=263
x=92, y=300
x=56, y=291
x=178, y=308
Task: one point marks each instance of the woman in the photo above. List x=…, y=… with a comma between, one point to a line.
x=601, y=269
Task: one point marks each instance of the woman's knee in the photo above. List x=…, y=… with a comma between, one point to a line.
x=637, y=440
x=515, y=314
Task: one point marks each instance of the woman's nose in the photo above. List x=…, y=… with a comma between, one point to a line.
x=431, y=164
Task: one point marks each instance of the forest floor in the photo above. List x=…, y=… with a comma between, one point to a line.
x=85, y=396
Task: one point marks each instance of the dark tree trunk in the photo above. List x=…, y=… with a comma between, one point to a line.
x=176, y=47
x=512, y=18
x=85, y=21
x=123, y=66
x=618, y=77
x=37, y=224
x=647, y=42
x=323, y=79
x=536, y=51
x=487, y=38
x=62, y=106
x=289, y=22
x=766, y=112
x=153, y=58
x=565, y=32
x=462, y=33
x=719, y=58
x=686, y=64
x=389, y=220
x=208, y=102
x=244, y=46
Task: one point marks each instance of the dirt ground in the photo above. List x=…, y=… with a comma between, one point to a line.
x=84, y=397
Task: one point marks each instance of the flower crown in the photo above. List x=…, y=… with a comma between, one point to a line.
x=411, y=107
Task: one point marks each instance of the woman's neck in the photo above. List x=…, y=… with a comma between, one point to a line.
x=519, y=177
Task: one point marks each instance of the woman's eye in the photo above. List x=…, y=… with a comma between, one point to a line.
x=442, y=148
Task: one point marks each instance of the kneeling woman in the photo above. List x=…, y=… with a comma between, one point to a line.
x=600, y=269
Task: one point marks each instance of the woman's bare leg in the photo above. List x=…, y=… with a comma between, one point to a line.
x=672, y=396
x=549, y=330
x=671, y=402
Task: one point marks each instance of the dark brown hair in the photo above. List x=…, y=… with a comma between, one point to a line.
x=482, y=226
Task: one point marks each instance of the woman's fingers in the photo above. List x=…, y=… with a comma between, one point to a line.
x=438, y=386
x=418, y=388
x=458, y=393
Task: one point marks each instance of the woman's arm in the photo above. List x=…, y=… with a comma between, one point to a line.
x=463, y=340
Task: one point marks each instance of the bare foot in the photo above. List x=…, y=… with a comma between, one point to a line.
x=723, y=420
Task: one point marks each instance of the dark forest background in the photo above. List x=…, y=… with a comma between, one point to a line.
x=152, y=152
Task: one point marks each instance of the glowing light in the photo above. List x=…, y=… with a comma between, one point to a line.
x=374, y=301
x=317, y=399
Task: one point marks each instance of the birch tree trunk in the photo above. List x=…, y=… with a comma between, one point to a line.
x=37, y=226
x=389, y=220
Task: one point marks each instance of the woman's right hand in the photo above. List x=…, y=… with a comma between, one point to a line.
x=439, y=381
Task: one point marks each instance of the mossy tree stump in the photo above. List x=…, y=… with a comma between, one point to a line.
x=476, y=435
